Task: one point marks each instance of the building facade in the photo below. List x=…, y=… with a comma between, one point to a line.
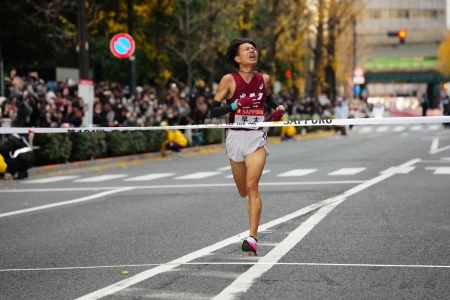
x=401, y=68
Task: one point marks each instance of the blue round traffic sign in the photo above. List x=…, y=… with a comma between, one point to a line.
x=122, y=45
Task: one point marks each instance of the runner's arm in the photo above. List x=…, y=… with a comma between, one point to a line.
x=270, y=100
x=217, y=109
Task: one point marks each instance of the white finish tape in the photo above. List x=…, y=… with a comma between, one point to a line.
x=320, y=122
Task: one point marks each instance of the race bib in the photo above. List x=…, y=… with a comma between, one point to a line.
x=249, y=116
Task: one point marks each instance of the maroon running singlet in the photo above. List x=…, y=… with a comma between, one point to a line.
x=255, y=87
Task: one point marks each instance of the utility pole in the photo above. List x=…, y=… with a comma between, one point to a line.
x=83, y=41
x=2, y=74
x=132, y=57
x=356, y=87
x=354, y=44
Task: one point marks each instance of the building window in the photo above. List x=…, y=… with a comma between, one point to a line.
x=406, y=14
x=403, y=13
x=375, y=14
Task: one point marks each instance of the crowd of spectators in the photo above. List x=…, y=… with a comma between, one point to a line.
x=32, y=102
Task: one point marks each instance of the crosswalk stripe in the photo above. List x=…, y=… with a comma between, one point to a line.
x=399, y=128
x=149, y=177
x=198, y=175
x=366, y=129
x=382, y=129
x=433, y=127
x=346, y=171
x=224, y=168
x=416, y=127
x=439, y=170
x=51, y=179
x=297, y=172
x=264, y=172
x=101, y=178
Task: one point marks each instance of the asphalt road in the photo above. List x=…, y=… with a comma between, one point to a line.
x=363, y=216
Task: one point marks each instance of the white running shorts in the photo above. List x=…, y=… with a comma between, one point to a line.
x=240, y=143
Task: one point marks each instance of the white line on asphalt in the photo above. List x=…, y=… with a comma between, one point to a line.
x=297, y=172
x=198, y=175
x=399, y=128
x=101, y=178
x=435, y=147
x=92, y=197
x=232, y=263
x=439, y=170
x=224, y=168
x=149, y=177
x=118, y=286
x=264, y=172
x=183, y=186
x=382, y=129
x=51, y=179
x=245, y=281
x=346, y=171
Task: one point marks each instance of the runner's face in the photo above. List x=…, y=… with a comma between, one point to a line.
x=247, y=54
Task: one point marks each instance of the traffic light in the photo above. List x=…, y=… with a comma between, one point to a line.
x=401, y=34
x=288, y=74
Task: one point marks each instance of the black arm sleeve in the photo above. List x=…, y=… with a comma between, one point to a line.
x=270, y=101
x=218, y=110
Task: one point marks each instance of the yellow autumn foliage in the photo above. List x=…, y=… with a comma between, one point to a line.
x=443, y=63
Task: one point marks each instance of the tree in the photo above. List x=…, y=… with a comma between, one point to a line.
x=341, y=14
x=443, y=63
x=189, y=44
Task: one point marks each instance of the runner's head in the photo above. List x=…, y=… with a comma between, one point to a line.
x=234, y=49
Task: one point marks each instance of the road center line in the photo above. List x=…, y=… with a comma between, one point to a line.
x=87, y=198
x=118, y=286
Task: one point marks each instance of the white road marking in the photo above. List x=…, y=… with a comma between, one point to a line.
x=82, y=199
x=51, y=179
x=224, y=168
x=101, y=178
x=170, y=186
x=158, y=294
x=416, y=128
x=433, y=127
x=264, y=172
x=231, y=263
x=118, y=286
x=382, y=129
x=366, y=129
x=123, y=284
x=149, y=177
x=245, y=281
x=347, y=171
x=198, y=175
x=297, y=172
x=399, y=128
x=435, y=147
x=439, y=170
